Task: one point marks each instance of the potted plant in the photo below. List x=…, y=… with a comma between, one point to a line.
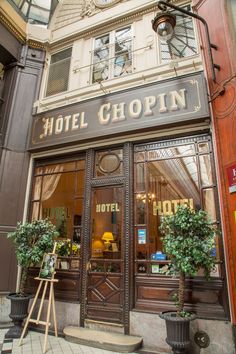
x=188, y=240
x=31, y=240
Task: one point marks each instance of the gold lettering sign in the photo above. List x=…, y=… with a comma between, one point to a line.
x=105, y=208
x=169, y=207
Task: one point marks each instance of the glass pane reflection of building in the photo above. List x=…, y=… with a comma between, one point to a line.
x=165, y=178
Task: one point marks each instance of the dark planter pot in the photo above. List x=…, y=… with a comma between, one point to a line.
x=19, y=311
x=178, y=334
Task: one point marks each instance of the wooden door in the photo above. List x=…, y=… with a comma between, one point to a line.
x=105, y=268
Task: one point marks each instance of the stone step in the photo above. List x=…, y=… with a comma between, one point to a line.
x=104, y=326
x=115, y=342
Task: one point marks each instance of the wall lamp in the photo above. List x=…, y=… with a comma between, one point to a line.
x=164, y=24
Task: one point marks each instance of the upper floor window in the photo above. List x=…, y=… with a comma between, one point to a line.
x=183, y=42
x=59, y=69
x=112, y=55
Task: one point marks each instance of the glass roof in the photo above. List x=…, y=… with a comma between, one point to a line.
x=36, y=11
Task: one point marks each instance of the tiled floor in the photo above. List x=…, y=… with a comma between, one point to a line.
x=33, y=344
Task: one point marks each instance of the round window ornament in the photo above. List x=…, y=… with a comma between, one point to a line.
x=105, y=3
x=109, y=163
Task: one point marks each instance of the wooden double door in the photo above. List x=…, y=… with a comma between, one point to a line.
x=105, y=285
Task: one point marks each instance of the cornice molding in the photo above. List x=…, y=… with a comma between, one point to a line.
x=6, y=18
x=35, y=44
x=111, y=23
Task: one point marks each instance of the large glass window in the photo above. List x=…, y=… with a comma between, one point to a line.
x=167, y=175
x=112, y=55
x=58, y=192
x=58, y=76
x=183, y=42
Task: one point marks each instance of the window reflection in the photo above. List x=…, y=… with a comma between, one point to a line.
x=106, y=224
x=58, y=195
x=170, y=177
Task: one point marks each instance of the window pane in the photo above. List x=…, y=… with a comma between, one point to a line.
x=139, y=177
x=209, y=203
x=58, y=202
x=203, y=147
x=80, y=183
x=183, y=42
x=109, y=163
x=37, y=188
x=183, y=150
x=106, y=220
x=123, y=52
x=101, y=59
x=140, y=209
x=58, y=77
x=206, y=173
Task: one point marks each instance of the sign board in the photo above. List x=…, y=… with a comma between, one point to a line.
x=231, y=172
x=175, y=100
x=141, y=236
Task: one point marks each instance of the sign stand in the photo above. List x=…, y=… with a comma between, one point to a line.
x=51, y=303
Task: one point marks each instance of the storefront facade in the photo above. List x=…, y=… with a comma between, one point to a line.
x=118, y=164
x=121, y=135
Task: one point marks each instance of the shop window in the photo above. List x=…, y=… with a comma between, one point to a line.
x=183, y=42
x=109, y=163
x=112, y=55
x=58, y=76
x=57, y=194
x=167, y=175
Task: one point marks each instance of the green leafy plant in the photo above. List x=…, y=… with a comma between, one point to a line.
x=188, y=240
x=66, y=247
x=32, y=240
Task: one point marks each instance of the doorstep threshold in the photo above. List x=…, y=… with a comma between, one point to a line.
x=115, y=342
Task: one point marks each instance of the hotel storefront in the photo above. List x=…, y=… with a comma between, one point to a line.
x=105, y=171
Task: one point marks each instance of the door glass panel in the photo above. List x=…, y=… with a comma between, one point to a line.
x=107, y=226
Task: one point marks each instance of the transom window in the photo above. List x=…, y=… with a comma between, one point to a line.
x=183, y=42
x=112, y=55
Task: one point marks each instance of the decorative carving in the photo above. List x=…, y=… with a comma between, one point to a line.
x=88, y=8
x=86, y=232
x=128, y=232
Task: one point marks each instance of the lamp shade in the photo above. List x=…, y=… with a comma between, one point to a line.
x=108, y=236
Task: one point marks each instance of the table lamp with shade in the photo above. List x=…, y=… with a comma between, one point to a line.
x=107, y=237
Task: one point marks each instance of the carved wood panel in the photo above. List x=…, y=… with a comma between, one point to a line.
x=105, y=297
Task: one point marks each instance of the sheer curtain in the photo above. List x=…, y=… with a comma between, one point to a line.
x=50, y=181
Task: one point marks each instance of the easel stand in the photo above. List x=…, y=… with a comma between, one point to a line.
x=51, y=303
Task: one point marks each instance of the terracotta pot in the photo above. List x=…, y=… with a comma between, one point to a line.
x=19, y=311
x=178, y=331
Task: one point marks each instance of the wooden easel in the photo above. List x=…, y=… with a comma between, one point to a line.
x=51, y=303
